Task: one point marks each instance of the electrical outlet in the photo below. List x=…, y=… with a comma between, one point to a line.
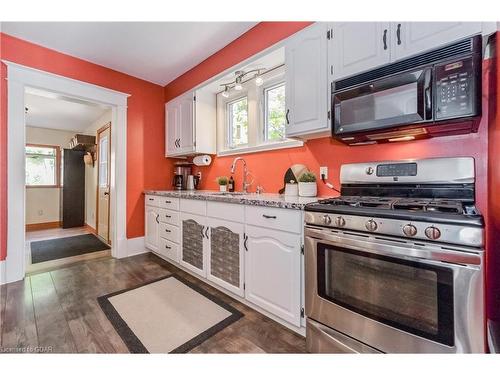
x=323, y=172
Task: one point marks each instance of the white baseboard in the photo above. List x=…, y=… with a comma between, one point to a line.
x=2, y=272
x=135, y=246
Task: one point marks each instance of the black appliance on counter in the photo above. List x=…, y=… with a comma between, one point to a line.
x=432, y=94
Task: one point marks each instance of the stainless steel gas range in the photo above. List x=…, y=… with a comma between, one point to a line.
x=395, y=264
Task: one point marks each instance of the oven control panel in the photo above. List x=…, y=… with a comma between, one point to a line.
x=456, y=89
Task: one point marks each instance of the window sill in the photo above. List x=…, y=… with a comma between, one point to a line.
x=261, y=147
x=43, y=186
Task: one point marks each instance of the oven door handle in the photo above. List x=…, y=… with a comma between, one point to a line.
x=393, y=250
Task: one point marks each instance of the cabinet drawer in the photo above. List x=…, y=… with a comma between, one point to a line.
x=274, y=218
x=194, y=206
x=226, y=211
x=169, y=232
x=152, y=200
x=169, y=249
x=168, y=202
x=168, y=216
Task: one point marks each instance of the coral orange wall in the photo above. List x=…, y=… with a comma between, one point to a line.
x=3, y=158
x=268, y=167
x=146, y=164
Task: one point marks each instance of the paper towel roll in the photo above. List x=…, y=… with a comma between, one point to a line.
x=202, y=160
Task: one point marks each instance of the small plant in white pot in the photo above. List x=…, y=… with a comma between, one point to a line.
x=307, y=185
x=222, y=182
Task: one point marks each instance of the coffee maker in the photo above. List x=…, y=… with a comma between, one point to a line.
x=181, y=172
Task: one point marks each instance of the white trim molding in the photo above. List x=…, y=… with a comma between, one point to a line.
x=2, y=272
x=136, y=246
x=20, y=77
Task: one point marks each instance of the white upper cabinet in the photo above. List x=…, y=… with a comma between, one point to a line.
x=411, y=38
x=358, y=46
x=190, y=124
x=307, y=82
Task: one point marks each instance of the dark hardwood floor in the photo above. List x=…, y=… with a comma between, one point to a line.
x=58, y=310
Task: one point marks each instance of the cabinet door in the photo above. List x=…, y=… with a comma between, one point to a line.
x=186, y=124
x=358, y=46
x=272, y=272
x=306, y=82
x=410, y=38
x=225, y=254
x=151, y=228
x=171, y=126
x=193, y=243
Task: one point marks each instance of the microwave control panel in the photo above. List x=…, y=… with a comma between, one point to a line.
x=455, y=89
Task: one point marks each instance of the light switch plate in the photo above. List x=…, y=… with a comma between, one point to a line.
x=323, y=171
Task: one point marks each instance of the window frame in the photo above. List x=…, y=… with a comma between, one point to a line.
x=265, y=89
x=57, y=166
x=228, y=122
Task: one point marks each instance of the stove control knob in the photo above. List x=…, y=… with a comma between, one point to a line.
x=339, y=221
x=410, y=230
x=371, y=225
x=327, y=220
x=432, y=233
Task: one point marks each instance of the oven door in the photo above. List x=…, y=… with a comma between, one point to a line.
x=395, y=296
x=402, y=99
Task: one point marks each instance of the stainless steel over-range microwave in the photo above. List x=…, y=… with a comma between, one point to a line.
x=432, y=94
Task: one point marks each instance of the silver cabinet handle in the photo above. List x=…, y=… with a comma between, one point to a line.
x=384, y=38
x=168, y=216
x=202, y=229
x=398, y=33
x=167, y=247
x=168, y=202
x=168, y=230
x=206, y=232
x=156, y=218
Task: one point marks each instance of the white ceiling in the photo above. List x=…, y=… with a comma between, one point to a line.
x=52, y=111
x=158, y=52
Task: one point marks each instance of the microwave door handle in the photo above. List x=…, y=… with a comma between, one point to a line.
x=428, y=94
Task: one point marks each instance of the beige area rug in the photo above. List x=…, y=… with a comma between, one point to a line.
x=169, y=315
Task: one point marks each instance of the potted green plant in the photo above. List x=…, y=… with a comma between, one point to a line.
x=307, y=185
x=222, y=182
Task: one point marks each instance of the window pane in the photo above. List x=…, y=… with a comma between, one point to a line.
x=103, y=161
x=41, y=150
x=238, y=122
x=40, y=170
x=275, y=113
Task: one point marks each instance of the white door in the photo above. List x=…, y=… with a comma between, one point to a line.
x=410, y=38
x=225, y=259
x=186, y=123
x=355, y=47
x=307, y=81
x=272, y=272
x=151, y=230
x=172, y=124
x=194, y=243
x=103, y=181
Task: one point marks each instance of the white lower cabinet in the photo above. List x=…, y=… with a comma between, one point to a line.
x=251, y=251
x=151, y=227
x=225, y=265
x=273, y=272
x=194, y=243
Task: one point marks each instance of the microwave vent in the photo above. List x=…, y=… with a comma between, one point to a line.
x=431, y=57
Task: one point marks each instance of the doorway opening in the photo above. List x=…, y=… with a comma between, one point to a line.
x=67, y=179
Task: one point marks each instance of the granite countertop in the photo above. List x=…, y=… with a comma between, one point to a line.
x=252, y=199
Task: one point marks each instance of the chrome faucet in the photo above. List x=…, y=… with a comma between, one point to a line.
x=246, y=184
